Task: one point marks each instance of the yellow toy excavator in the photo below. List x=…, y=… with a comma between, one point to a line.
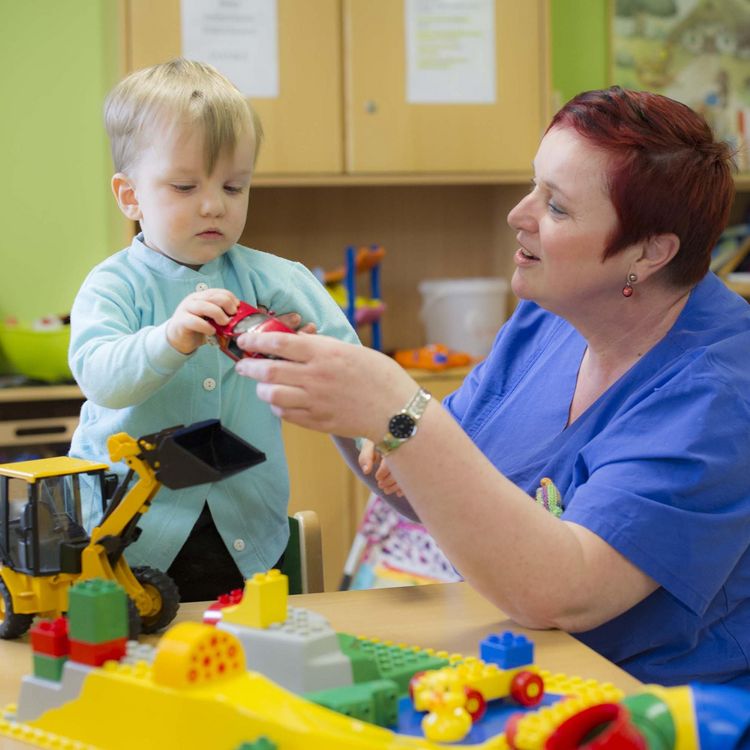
x=44, y=547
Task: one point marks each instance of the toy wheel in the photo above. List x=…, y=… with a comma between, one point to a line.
x=12, y=625
x=475, y=705
x=163, y=590
x=134, y=620
x=527, y=688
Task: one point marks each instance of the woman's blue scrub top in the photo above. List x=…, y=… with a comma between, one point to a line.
x=658, y=467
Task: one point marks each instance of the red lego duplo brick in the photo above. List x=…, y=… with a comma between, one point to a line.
x=95, y=654
x=213, y=614
x=50, y=637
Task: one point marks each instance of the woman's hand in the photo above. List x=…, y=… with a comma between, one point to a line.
x=292, y=320
x=325, y=384
x=368, y=458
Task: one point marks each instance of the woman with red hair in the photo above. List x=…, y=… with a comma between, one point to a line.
x=622, y=380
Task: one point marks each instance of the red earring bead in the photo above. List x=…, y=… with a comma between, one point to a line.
x=627, y=291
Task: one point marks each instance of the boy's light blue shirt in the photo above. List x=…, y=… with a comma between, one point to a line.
x=135, y=382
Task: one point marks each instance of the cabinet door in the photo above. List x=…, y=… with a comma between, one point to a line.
x=387, y=134
x=303, y=125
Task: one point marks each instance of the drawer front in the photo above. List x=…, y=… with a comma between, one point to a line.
x=37, y=431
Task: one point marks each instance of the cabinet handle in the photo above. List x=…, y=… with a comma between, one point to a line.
x=54, y=429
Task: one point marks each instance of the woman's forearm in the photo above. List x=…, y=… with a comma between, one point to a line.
x=541, y=571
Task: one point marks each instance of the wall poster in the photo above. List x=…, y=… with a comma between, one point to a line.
x=695, y=51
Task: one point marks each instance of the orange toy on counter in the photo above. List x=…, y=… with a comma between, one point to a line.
x=432, y=357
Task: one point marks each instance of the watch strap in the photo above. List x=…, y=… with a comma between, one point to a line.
x=415, y=408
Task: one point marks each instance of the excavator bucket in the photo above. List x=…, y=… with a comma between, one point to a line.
x=202, y=452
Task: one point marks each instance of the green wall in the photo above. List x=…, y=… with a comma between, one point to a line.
x=579, y=46
x=58, y=58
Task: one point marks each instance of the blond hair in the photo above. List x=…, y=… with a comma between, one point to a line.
x=175, y=94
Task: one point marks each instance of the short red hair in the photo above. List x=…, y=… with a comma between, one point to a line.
x=668, y=173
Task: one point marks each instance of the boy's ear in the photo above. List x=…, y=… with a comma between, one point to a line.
x=124, y=191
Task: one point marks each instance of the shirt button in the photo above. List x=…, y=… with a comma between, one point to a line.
x=209, y=384
x=201, y=286
x=238, y=544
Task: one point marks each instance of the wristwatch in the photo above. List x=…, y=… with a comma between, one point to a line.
x=403, y=425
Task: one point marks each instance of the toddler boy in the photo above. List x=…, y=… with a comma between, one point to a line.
x=184, y=142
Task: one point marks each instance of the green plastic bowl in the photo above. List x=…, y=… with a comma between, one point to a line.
x=40, y=355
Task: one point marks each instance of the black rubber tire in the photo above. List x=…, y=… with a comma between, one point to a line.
x=134, y=621
x=12, y=625
x=160, y=583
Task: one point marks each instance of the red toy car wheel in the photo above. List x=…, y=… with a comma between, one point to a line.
x=475, y=705
x=527, y=688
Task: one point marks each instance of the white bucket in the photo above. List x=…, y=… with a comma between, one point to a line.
x=464, y=314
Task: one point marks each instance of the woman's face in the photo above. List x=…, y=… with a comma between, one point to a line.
x=562, y=227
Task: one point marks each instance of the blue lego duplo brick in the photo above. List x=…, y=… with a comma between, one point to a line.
x=507, y=650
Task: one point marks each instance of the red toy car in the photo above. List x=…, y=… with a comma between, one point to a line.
x=247, y=318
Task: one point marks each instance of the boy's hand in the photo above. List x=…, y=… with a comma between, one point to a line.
x=188, y=328
x=368, y=458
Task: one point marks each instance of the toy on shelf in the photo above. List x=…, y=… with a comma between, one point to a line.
x=342, y=285
x=435, y=357
x=247, y=318
x=270, y=676
x=44, y=548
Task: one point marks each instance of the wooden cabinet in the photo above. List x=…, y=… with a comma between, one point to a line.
x=385, y=133
x=342, y=105
x=303, y=125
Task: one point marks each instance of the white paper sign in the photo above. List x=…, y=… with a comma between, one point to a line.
x=239, y=37
x=450, y=51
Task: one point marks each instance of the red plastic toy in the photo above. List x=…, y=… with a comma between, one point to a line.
x=247, y=318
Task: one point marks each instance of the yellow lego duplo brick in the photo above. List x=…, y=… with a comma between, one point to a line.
x=191, y=654
x=263, y=603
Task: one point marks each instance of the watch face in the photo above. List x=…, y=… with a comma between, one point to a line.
x=402, y=426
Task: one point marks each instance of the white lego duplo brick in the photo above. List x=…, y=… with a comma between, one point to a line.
x=301, y=654
x=39, y=695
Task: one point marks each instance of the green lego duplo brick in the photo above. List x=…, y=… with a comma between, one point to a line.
x=375, y=702
x=49, y=667
x=262, y=743
x=97, y=611
x=354, y=701
x=385, y=694
x=373, y=660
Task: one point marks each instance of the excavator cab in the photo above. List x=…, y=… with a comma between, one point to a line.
x=41, y=527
